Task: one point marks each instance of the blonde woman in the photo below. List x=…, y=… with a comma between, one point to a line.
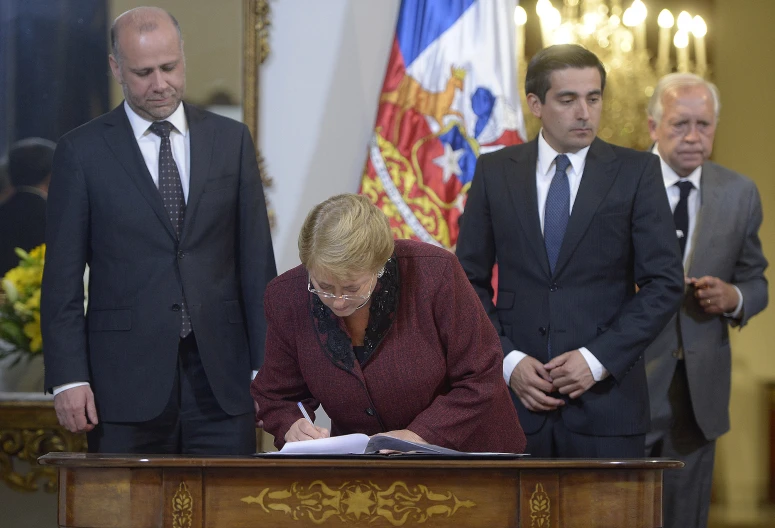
x=387, y=335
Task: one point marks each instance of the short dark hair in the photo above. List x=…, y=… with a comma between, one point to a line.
x=30, y=161
x=558, y=57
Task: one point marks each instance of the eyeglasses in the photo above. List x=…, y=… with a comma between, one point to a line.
x=331, y=296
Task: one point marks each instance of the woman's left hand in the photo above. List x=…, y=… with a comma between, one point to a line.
x=405, y=434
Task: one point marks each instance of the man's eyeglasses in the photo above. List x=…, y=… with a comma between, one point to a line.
x=348, y=297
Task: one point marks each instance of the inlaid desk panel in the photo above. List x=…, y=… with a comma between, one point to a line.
x=119, y=491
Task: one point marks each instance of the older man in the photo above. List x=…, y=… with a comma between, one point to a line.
x=164, y=203
x=717, y=214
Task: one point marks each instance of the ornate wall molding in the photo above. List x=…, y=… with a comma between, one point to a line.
x=255, y=49
x=28, y=430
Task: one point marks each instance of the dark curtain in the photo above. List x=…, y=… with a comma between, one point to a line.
x=58, y=74
x=6, y=92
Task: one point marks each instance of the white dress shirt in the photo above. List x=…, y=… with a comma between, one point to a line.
x=693, y=205
x=545, y=169
x=150, y=144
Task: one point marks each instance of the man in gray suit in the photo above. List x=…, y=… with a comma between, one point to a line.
x=717, y=213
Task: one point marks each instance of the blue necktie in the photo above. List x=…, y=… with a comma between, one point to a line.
x=557, y=210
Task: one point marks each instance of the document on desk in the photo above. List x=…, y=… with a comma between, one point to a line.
x=361, y=444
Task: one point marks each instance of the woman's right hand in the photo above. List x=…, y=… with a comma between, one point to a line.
x=303, y=430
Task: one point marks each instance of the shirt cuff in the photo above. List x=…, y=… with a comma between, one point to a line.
x=510, y=363
x=62, y=388
x=599, y=372
x=739, y=309
x=253, y=376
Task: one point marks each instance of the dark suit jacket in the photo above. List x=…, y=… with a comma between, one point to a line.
x=726, y=245
x=105, y=211
x=22, y=225
x=435, y=369
x=620, y=234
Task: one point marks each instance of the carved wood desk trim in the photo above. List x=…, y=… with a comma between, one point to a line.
x=29, y=429
x=98, y=491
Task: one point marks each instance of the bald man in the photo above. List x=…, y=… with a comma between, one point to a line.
x=164, y=203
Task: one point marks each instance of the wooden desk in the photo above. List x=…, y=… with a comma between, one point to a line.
x=97, y=491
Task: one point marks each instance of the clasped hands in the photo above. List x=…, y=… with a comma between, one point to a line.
x=533, y=381
x=303, y=430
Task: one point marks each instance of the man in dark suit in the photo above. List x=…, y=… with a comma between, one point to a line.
x=574, y=224
x=23, y=213
x=717, y=215
x=164, y=203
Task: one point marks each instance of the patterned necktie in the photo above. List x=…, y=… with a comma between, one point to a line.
x=172, y=196
x=681, y=213
x=557, y=210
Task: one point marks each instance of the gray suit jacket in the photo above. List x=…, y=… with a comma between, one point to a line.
x=727, y=246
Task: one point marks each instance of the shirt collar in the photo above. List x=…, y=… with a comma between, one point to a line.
x=670, y=177
x=140, y=125
x=546, y=155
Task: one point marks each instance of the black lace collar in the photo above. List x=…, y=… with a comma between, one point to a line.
x=330, y=330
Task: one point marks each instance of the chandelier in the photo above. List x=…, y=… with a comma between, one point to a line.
x=617, y=36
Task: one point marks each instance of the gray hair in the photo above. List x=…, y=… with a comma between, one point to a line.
x=144, y=23
x=670, y=81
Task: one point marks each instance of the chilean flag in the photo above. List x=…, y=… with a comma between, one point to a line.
x=450, y=93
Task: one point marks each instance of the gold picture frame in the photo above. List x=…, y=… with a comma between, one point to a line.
x=255, y=49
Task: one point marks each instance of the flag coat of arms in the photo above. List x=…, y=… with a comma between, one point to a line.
x=450, y=94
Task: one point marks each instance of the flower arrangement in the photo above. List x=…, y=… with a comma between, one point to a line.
x=20, y=306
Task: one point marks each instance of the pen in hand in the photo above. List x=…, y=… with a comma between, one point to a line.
x=304, y=412
x=299, y=431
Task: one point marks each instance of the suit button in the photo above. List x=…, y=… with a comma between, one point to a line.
x=370, y=411
x=675, y=353
x=181, y=254
x=175, y=307
x=553, y=287
x=542, y=330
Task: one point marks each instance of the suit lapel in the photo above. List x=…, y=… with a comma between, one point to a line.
x=201, y=143
x=120, y=138
x=711, y=199
x=521, y=182
x=599, y=174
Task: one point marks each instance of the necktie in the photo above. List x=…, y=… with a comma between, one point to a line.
x=557, y=210
x=172, y=196
x=681, y=213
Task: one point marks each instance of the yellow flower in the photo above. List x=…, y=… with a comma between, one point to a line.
x=10, y=289
x=32, y=330
x=13, y=279
x=20, y=304
x=21, y=310
x=38, y=253
x=23, y=279
x=33, y=303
